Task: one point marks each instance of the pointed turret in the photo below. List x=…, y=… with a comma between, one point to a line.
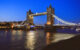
x=50, y=6
x=30, y=10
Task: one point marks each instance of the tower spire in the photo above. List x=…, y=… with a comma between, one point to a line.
x=50, y=6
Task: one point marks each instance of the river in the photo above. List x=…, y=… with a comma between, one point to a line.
x=31, y=40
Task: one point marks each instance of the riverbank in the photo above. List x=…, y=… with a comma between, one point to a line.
x=69, y=44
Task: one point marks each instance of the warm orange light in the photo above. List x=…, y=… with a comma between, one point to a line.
x=48, y=38
x=12, y=26
x=49, y=23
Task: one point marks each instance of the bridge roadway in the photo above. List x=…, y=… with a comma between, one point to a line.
x=56, y=27
x=38, y=14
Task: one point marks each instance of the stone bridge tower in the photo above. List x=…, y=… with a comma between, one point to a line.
x=29, y=18
x=50, y=19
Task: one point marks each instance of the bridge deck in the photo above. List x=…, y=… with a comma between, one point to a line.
x=39, y=14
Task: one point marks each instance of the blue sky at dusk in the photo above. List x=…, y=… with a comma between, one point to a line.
x=15, y=10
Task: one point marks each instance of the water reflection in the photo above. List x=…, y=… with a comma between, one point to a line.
x=52, y=37
x=5, y=34
x=30, y=40
x=49, y=37
x=61, y=36
x=17, y=35
x=17, y=40
x=35, y=40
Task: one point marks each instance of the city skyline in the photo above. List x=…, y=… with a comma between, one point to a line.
x=15, y=10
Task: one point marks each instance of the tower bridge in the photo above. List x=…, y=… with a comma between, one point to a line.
x=50, y=19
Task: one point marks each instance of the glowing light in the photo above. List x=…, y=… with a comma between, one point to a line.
x=48, y=23
x=32, y=26
x=12, y=26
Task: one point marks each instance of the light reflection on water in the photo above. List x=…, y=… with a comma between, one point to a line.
x=29, y=40
x=16, y=35
x=48, y=38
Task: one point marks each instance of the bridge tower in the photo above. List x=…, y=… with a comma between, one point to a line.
x=29, y=18
x=50, y=19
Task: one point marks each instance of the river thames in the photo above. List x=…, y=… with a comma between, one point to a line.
x=33, y=39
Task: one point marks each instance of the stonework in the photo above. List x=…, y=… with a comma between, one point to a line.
x=50, y=19
x=29, y=18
